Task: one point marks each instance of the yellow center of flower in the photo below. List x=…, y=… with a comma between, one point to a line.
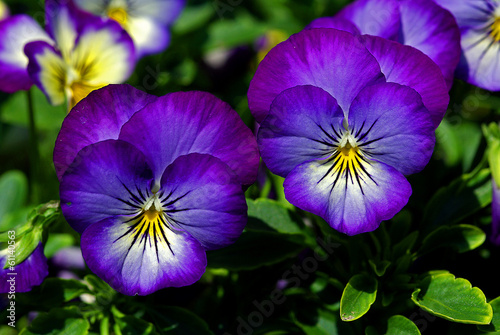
x=118, y=14
x=348, y=158
x=495, y=29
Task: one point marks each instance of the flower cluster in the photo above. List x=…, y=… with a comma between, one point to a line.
x=151, y=183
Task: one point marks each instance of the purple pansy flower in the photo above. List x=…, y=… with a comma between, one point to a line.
x=31, y=272
x=344, y=138
x=479, y=22
x=78, y=53
x=147, y=21
x=419, y=23
x=151, y=183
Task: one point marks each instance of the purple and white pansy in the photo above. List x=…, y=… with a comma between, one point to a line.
x=147, y=21
x=77, y=53
x=479, y=23
x=156, y=183
x=344, y=138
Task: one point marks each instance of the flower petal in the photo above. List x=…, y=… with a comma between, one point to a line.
x=97, y=118
x=408, y=66
x=480, y=63
x=469, y=13
x=31, y=272
x=172, y=260
x=15, y=32
x=297, y=128
x=149, y=36
x=205, y=199
x=350, y=204
x=162, y=11
x=394, y=126
x=105, y=53
x=106, y=179
x=186, y=122
x=47, y=69
x=326, y=58
x=433, y=30
x=374, y=17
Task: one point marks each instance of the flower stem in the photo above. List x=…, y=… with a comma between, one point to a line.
x=34, y=151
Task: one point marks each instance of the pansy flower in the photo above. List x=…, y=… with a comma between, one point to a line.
x=419, y=23
x=147, y=21
x=78, y=53
x=344, y=138
x=151, y=183
x=479, y=22
x=23, y=276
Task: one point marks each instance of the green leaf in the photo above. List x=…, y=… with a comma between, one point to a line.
x=359, y=294
x=193, y=18
x=13, y=193
x=56, y=242
x=244, y=29
x=398, y=325
x=274, y=215
x=461, y=198
x=47, y=117
x=178, y=321
x=55, y=291
x=130, y=325
x=492, y=134
x=58, y=321
x=326, y=324
x=460, y=238
x=27, y=243
x=494, y=326
x=379, y=267
x=255, y=249
x=453, y=299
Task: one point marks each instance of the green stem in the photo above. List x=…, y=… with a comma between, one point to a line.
x=34, y=152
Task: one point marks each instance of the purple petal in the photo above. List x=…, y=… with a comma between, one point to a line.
x=393, y=126
x=433, y=30
x=495, y=214
x=97, y=118
x=15, y=32
x=352, y=203
x=205, y=199
x=374, y=17
x=149, y=36
x=296, y=129
x=480, y=63
x=47, y=69
x=31, y=272
x=162, y=11
x=408, y=66
x=187, y=122
x=327, y=58
x=469, y=13
x=151, y=263
x=336, y=22
x=106, y=179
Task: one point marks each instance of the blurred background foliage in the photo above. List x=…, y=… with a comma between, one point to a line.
x=215, y=47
